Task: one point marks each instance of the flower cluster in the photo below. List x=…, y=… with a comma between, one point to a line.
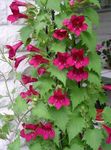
x=16, y=12
x=44, y=130
x=75, y=61
x=58, y=99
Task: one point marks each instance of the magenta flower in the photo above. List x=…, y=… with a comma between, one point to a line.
x=46, y=131
x=37, y=60
x=58, y=99
x=71, y=2
x=19, y=60
x=77, y=58
x=27, y=79
x=29, y=93
x=41, y=71
x=107, y=87
x=108, y=130
x=15, y=10
x=42, y=129
x=13, y=49
x=61, y=60
x=30, y=135
x=76, y=24
x=77, y=74
x=60, y=34
x=32, y=48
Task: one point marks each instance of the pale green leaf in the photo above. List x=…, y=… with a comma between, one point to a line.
x=41, y=111
x=14, y=145
x=60, y=75
x=94, y=78
x=94, y=63
x=75, y=146
x=76, y=97
x=57, y=136
x=25, y=33
x=95, y=2
x=90, y=40
x=55, y=5
x=93, y=138
x=44, y=84
x=60, y=117
x=36, y=146
x=58, y=47
x=20, y=105
x=92, y=15
x=75, y=126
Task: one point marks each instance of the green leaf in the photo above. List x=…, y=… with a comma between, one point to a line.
x=36, y=146
x=90, y=40
x=76, y=97
x=93, y=138
x=94, y=78
x=44, y=84
x=58, y=47
x=75, y=126
x=25, y=33
x=95, y=2
x=41, y=111
x=60, y=117
x=89, y=23
x=77, y=147
x=57, y=137
x=94, y=63
x=14, y=145
x=92, y=15
x=106, y=114
x=20, y=105
x=60, y=75
x=54, y=4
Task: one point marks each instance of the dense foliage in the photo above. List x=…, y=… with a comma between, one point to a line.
x=64, y=85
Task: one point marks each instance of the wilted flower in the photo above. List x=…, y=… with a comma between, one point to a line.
x=59, y=99
x=76, y=24
x=60, y=34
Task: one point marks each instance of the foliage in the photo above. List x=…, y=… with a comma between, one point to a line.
x=57, y=106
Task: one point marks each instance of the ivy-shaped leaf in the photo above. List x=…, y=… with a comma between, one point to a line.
x=44, y=84
x=20, y=105
x=107, y=114
x=94, y=78
x=41, y=111
x=60, y=117
x=75, y=126
x=93, y=138
x=60, y=75
x=94, y=63
x=76, y=97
